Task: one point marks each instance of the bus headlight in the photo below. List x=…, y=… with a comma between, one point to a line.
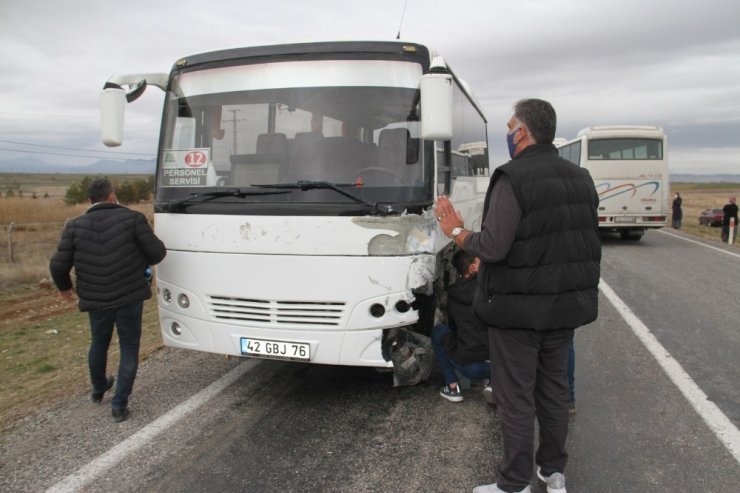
x=167, y=296
x=176, y=329
x=183, y=301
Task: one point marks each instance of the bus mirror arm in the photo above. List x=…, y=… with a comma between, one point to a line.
x=135, y=90
x=113, y=101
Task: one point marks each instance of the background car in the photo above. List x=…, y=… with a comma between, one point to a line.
x=711, y=217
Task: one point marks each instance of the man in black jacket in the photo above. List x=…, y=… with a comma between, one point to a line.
x=540, y=252
x=110, y=248
x=461, y=347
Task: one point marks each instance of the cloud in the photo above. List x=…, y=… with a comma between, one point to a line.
x=699, y=160
x=674, y=63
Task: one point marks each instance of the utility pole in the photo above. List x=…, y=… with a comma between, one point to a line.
x=234, y=112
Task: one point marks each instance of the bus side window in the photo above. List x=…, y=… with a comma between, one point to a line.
x=397, y=152
x=571, y=152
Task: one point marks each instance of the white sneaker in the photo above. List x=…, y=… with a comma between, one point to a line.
x=492, y=488
x=555, y=482
x=488, y=394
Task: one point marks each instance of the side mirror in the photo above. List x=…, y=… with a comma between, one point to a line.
x=436, y=106
x=112, y=107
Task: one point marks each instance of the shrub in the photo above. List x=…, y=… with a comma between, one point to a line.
x=126, y=192
x=77, y=192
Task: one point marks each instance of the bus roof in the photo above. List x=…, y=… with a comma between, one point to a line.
x=367, y=49
x=370, y=50
x=606, y=131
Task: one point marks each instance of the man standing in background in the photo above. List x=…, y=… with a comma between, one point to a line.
x=110, y=248
x=540, y=251
x=677, y=211
x=730, y=212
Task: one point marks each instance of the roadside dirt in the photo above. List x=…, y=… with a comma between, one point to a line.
x=32, y=305
x=43, y=353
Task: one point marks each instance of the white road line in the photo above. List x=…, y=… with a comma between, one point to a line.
x=85, y=475
x=720, y=424
x=699, y=243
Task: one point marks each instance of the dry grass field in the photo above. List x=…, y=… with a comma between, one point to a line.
x=37, y=211
x=44, y=341
x=699, y=196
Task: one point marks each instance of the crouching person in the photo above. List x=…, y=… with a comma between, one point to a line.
x=461, y=348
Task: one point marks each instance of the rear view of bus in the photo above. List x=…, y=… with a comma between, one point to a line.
x=629, y=167
x=294, y=193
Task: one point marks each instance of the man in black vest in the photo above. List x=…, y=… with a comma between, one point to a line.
x=540, y=251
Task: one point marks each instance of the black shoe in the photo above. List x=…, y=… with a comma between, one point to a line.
x=97, y=397
x=119, y=414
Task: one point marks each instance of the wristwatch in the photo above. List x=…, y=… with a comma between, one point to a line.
x=456, y=231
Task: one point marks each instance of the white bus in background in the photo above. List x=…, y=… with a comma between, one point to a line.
x=629, y=166
x=294, y=193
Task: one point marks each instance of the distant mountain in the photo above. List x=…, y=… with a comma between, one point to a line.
x=689, y=178
x=129, y=167
x=103, y=167
x=27, y=165
x=148, y=166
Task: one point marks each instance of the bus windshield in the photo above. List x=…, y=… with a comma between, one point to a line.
x=258, y=130
x=625, y=149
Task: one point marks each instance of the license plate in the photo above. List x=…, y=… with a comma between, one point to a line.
x=630, y=219
x=264, y=348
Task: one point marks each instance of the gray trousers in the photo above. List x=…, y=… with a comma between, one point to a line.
x=529, y=376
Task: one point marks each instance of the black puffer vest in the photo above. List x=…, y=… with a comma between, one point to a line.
x=550, y=276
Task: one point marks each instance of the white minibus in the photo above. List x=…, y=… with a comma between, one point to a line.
x=629, y=166
x=294, y=192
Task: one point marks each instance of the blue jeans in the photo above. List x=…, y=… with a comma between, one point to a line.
x=477, y=370
x=127, y=319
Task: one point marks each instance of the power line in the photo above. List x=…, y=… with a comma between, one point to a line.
x=70, y=155
x=70, y=148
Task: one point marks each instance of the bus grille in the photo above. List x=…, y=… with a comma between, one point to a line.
x=242, y=311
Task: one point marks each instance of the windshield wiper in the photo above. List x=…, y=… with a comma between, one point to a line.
x=206, y=196
x=326, y=185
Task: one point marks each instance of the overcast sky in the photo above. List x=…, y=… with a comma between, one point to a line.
x=673, y=63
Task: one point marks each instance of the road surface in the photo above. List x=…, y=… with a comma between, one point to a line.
x=201, y=422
